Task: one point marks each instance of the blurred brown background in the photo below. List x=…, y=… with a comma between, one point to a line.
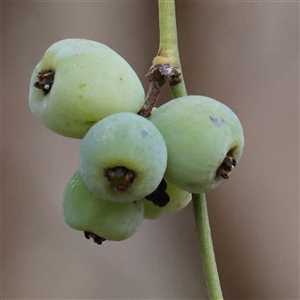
x=245, y=54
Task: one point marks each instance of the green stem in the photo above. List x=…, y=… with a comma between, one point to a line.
x=169, y=53
x=206, y=247
x=168, y=43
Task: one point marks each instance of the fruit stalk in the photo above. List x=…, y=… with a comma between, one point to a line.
x=206, y=246
x=168, y=43
x=169, y=53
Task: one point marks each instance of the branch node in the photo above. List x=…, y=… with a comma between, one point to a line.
x=158, y=75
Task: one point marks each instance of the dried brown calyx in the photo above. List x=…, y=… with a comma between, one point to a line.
x=120, y=178
x=97, y=239
x=45, y=80
x=227, y=165
x=159, y=197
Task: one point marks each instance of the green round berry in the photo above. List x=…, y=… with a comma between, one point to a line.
x=96, y=216
x=123, y=157
x=79, y=82
x=204, y=139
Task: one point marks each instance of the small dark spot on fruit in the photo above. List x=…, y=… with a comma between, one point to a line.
x=217, y=122
x=144, y=132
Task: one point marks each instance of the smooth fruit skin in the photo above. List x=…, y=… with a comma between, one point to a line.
x=91, y=82
x=178, y=200
x=127, y=140
x=85, y=211
x=199, y=131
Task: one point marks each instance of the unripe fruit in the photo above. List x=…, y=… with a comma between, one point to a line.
x=178, y=200
x=79, y=82
x=204, y=139
x=123, y=157
x=108, y=220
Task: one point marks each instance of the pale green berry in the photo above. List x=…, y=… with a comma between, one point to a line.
x=79, y=82
x=108, y=220
x=204, y=139
x=123, y=157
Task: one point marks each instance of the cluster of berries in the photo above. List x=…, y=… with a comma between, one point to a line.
x=130, y=167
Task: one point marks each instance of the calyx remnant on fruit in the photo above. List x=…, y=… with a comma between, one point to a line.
x=226, y=167
x=120, y=178
x=159, y=196
x=45, y=80
x=97, y=239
